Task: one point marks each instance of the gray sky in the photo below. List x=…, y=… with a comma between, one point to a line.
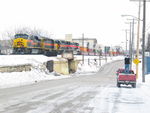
x=99, y=19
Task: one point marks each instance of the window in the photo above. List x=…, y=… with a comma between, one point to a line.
x=25, y=36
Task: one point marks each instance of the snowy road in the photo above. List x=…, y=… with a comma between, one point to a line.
x=80, y=94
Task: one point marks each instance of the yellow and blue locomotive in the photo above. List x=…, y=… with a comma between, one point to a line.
x=25, y=44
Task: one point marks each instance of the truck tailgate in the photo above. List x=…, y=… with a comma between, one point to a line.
x=127, y=77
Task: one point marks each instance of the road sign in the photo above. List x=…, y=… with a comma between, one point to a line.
x=136, y=61
x=147, y=54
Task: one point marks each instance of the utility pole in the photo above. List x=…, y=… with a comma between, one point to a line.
x=138, y=38
x=83, y=48
x=143, y=41
x=130, y=47
x=131, y=40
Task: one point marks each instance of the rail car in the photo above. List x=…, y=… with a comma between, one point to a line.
x=24, y=43
x=49, y=47
x=31, y=44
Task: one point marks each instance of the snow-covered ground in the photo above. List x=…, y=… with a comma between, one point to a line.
x=36, y=74
x=78, y=98
x=124, y=99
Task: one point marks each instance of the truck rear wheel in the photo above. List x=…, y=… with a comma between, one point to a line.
x=118, y=84
x=134, y=85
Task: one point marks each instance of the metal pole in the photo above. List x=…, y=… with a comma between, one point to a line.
x=105, y=54
x=143, y=41
x=88, y=61
x=100, y=52
x=126, y=40
x=138, y=37
x=132, y=47
x=130, y=42
x=83, y=48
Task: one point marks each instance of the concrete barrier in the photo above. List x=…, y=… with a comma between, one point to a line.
x=73, y=64
x=17, y=68
x=61, y=66
x=65, y=67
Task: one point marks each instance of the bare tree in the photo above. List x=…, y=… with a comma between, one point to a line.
x=6, y=42
x=29, y=31
x=8, y=36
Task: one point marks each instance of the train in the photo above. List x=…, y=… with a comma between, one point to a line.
x=28, y=44
x=31, y=44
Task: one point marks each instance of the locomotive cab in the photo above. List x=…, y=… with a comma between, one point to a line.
x=20, y=41
x=26, y=44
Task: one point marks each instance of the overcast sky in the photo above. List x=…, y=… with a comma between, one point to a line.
x=99, y=19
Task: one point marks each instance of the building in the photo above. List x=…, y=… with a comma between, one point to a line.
x=91, y=42
x=6, y=46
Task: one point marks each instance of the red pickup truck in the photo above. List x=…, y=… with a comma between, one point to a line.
x=126, y=78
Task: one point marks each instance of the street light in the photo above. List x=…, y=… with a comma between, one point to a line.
x=132, y=17
x=138, y=31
